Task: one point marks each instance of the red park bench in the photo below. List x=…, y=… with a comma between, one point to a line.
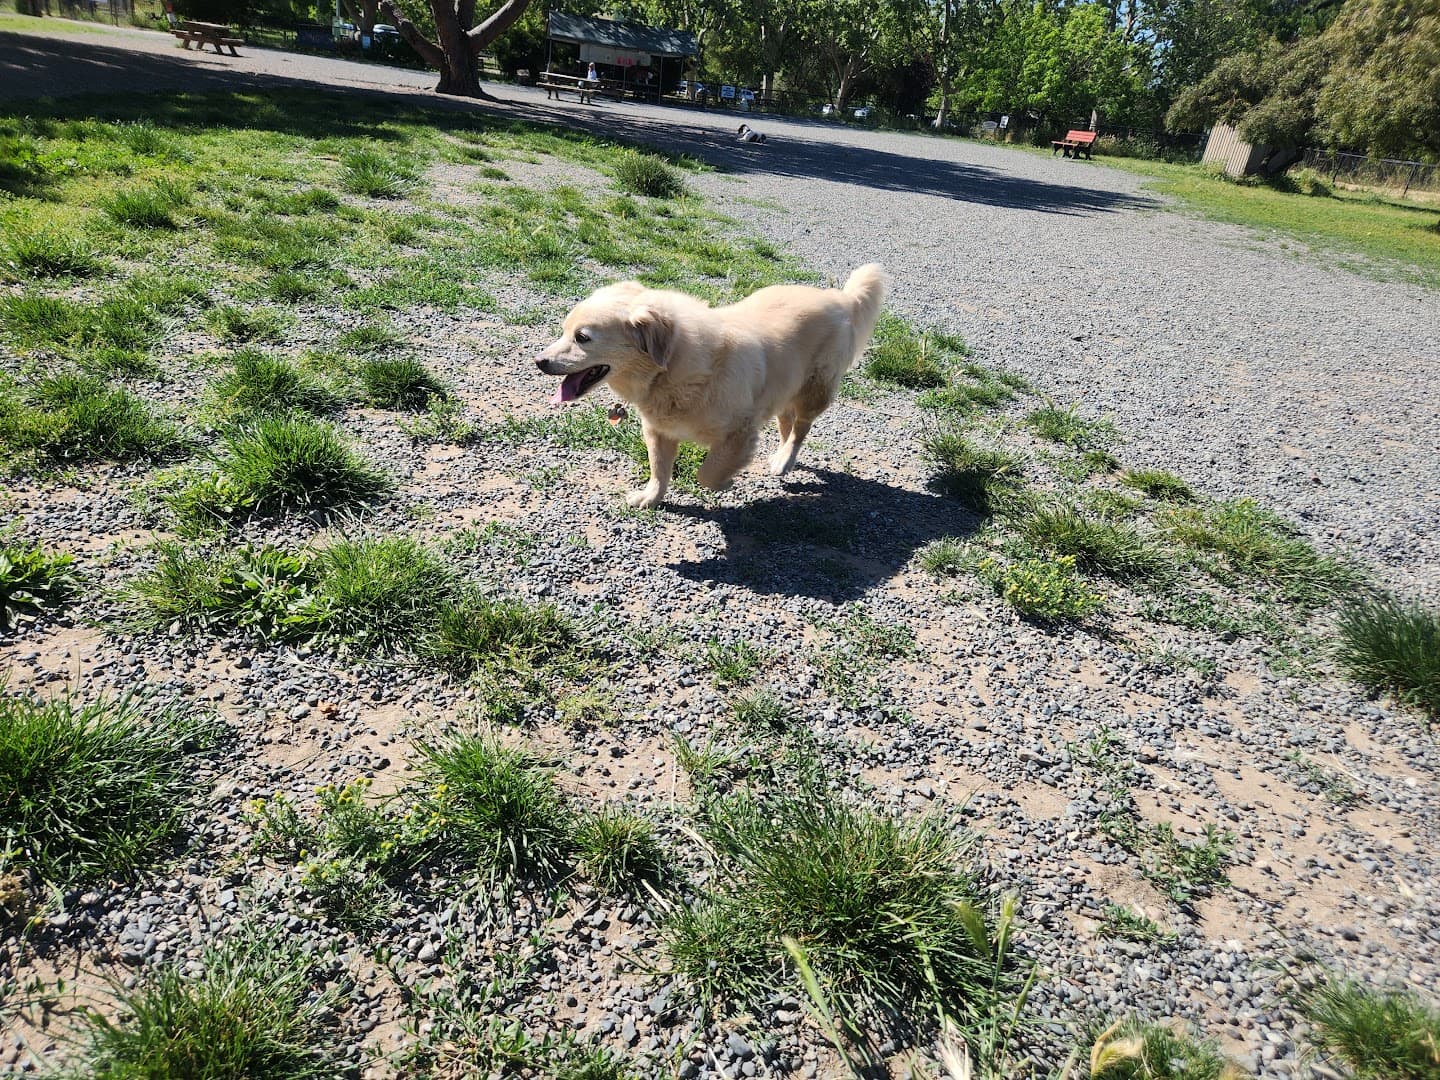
x=1074, y=144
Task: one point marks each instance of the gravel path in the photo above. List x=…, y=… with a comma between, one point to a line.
x=1068, y=272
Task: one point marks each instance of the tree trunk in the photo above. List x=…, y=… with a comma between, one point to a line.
x=457, y=51
x=944, y=108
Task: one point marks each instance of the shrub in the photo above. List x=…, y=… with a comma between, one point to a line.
x=253, y=1012
x=1393, y=647
x=30, y=580
x=399, y=383
x=93, y=789
x=1378, y=1035
x=646, y=174
x=1047, y=589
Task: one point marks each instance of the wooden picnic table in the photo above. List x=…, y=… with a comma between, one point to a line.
x=555, y=84
x=204, y=33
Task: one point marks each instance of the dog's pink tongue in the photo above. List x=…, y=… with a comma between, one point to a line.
x=569, y=389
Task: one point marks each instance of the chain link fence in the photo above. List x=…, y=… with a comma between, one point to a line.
x=1389, y=174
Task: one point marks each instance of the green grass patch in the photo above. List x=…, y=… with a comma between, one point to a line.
x=888, y=916
x=238, y=325
x=376, y=175
x=98, y=788
x=501, y=808
x=68, y=419
x=1068, y=427
x=732, y=662
x=32, y=581
x=1158, y=484
x=254, y=1011
x=639, y=173
x=1127, y=924
x=399, y=383
x=981, y=478
x=259, y=383
x=380, y=593
x=1259, y=545
x=900, y=357
x=587, y=427
x=1115, y=549
x=274, y=465
x=149, y=206
x=49, y=253
x=475, y=632
x=1393, y=647
x=619, y=851
x=1373, y=1034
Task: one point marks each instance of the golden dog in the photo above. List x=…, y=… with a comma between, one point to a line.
x=715, y=376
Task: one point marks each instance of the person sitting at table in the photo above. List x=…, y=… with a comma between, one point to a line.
x=592, y=74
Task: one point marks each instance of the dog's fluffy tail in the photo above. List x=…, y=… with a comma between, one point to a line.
x=866, y=287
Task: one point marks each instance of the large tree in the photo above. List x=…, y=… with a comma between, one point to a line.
x=459, y=40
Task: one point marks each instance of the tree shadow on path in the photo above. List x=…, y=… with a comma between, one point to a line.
x=830, y=536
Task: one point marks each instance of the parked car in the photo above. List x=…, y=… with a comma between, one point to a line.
x=827, y=109
x=863, y=113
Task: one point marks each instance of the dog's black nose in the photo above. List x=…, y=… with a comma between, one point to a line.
x=540, y=363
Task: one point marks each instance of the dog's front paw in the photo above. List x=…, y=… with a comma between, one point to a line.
x=642, y=499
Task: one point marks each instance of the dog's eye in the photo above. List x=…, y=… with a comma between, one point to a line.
x=581, y=337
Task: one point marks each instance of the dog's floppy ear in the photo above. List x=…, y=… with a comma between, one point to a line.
x=653, y=333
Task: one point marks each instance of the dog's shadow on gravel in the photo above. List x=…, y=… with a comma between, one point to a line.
x=831, y=536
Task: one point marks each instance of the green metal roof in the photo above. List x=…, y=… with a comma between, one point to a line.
x=625, y=36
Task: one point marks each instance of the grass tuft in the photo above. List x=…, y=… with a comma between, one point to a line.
x=258, y=383
x=900, y=357
x=1259, y=545
x=75, y=418
x=646, y=174
x=1377, y=1035
x=231, y=323
x=151, y=207
x=984, y=480
x=376, y=175
x=1067, y=427
x=618, y=851
x=254, y=1012
x=399, y=383
x=45, y=253
x=887, y=916
x=1115, y=549
x=379, y=593
x=500, y=807
x=1158, y=484
x=476, y=632
x=1393, y=647
x=1133, y=1049
x=97, y=788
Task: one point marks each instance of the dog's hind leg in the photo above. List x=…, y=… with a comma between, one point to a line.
x=725, y=459
x=783, y=460
x=661, y=450
x=814, y=398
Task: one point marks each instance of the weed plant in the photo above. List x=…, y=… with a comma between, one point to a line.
x=1050, y=590
x=1158, y=484
x=32, y=581
x=1126, y=924
x=1393, y=647
x=97, y=788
